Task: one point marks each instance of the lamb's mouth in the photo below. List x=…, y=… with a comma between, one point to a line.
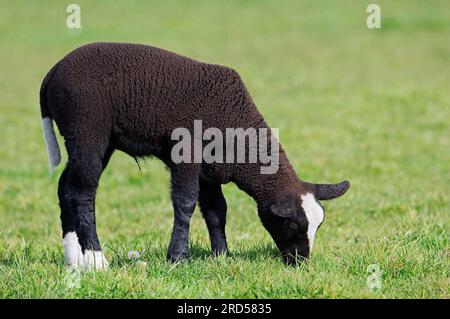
x=294, y=257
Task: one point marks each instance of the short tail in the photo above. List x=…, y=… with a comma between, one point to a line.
x=54, y=154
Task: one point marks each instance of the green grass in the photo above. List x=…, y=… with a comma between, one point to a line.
x=368, y=105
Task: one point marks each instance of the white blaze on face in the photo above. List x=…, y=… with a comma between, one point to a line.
x=315, y=215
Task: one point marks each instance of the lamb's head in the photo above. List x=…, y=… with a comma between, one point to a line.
x=294, y=219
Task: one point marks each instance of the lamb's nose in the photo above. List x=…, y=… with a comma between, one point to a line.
x=295, y=257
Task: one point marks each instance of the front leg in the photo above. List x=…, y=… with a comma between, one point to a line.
x=214, y=210
x=185, y=192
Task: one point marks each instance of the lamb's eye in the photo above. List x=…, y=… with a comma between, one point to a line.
x=293, y=226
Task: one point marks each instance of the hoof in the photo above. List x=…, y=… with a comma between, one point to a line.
x=177, y=258
x=90, y=260
x=220, y=252
x=94, y=260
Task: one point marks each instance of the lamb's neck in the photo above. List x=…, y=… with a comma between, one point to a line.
x=266, y=188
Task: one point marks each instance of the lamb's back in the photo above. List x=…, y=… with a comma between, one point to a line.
x=152, y=90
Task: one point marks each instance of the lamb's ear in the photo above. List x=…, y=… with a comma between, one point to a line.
x=284, y=208
x=330, y=191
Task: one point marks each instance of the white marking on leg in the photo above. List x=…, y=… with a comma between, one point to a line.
x=315, y=215
x=94, y=260
x=72, y=250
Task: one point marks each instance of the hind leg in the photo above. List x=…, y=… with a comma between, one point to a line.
x=77, y=190
x=72, y=248
x=214, y=209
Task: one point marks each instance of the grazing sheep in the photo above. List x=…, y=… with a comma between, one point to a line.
x=113, y=96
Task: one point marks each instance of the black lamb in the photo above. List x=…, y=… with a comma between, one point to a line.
x=128, y=97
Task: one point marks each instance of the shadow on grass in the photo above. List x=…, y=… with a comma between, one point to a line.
x=198, y=252
x=252, y=254
x=118, y=255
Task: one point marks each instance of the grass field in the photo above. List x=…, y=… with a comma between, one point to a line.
x=372, y=106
